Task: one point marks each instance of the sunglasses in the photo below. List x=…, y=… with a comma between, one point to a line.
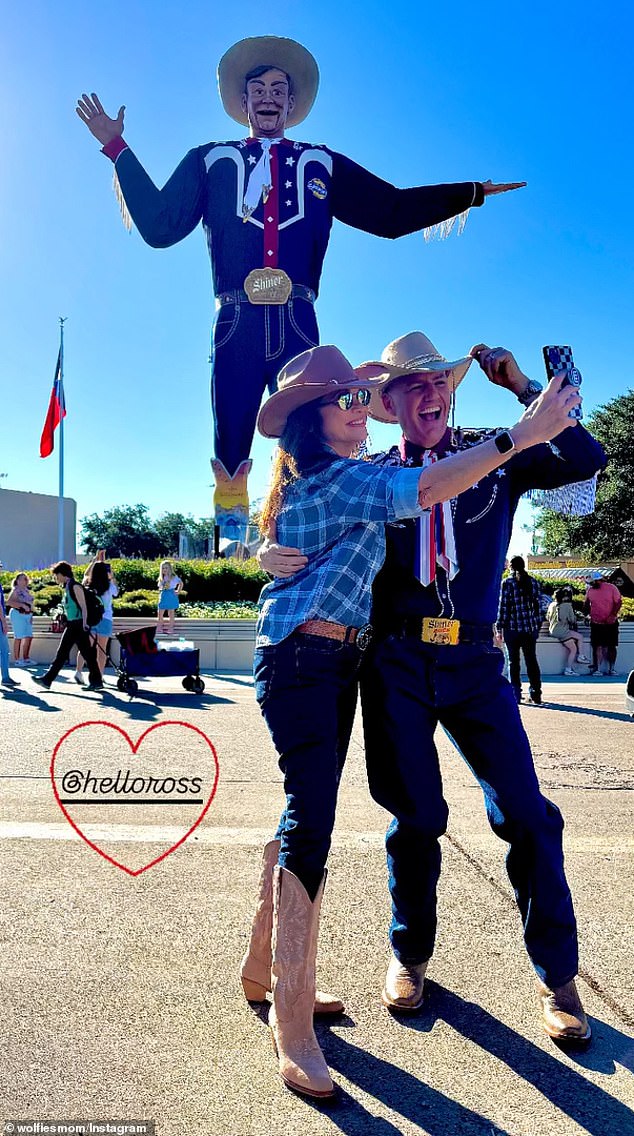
x=347, y=400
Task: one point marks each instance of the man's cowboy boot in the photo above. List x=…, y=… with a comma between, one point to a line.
x=403, y=990
x=231, y=500
x=563, y=1016
x=295, y=929
x=255, y=971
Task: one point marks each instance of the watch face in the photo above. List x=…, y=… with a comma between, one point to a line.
x=504, y=442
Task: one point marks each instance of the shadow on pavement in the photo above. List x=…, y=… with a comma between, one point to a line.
x=397, y=1089
x=590, y=1106
x=612, y=715
x=146, y=705
x=587, y=1104
x=24, y=696
x=402, y=1093
x=230, y=678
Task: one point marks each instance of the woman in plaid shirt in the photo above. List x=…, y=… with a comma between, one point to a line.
x=311, y=634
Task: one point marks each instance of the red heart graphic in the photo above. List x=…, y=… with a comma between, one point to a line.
x=135, y=747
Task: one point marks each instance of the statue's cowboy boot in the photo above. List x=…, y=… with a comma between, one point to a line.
x=563, y=1016
x=255, y=971
x=231, y=500
x=404, y=986
x=295, y=929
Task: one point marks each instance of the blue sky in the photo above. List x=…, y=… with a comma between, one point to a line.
x=418, y=95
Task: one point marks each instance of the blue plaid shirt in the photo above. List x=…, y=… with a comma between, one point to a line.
x=337, y=518
x=519, y=612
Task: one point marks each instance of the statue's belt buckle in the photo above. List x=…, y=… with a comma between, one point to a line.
x=441, y=632
x=268, y=286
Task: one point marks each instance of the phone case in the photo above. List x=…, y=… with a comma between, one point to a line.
x=560, y=358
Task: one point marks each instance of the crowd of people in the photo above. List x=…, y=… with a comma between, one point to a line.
x=527, y=609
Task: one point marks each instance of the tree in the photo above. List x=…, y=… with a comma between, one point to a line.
x=608, y=533
x=125, y=530
x=168, y=528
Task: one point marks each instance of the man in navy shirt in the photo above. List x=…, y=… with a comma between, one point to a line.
x=434, y=662
x=267, y=205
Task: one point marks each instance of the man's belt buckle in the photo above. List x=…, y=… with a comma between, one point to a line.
x=364, y=637
x=442, y=632
x=268, y=286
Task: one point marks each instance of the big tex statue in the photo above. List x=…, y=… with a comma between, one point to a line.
x=267, y=205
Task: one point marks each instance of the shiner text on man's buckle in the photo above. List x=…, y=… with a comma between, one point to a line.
x=442, y=632
x=268, y=286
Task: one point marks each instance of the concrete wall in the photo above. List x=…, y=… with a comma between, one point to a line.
x=28, y=530
x=227, y=644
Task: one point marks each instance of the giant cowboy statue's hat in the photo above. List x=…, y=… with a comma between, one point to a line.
x=411, y=354
x=315, y=374
x=274, y=51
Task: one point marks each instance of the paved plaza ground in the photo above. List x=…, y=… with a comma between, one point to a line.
x=119, y=993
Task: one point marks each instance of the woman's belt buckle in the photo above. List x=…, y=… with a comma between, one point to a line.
x=441, y=632
x=268, y=286
x=364, y=636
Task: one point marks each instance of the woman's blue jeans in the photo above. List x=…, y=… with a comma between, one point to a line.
x=306, y=687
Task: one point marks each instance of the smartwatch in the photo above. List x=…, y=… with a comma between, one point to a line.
x=504, y=442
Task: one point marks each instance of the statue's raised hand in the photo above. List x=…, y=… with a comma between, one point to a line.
x=98, y=122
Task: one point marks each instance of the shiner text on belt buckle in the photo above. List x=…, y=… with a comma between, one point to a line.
x=268, y=286
x=442, y=632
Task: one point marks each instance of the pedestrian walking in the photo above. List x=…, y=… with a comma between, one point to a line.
x=518, y=624
x=76, y=630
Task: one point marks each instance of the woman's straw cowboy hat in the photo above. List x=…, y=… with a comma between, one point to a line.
x=411, y=354
x=259, y=51
x=315, y=374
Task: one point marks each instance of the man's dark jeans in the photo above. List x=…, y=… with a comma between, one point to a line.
x=306, y=687
x=407, y=689
x=519, y=641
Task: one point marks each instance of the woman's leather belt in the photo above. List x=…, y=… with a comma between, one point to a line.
x=360, y=636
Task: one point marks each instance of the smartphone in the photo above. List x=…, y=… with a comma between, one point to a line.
x=558, y=359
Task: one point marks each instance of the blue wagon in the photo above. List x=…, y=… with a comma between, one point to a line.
x=140, y=657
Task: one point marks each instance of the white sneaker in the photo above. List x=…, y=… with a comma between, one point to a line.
x=569, y=671
x=583, y=659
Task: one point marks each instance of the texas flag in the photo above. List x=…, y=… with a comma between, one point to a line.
x=56, y=411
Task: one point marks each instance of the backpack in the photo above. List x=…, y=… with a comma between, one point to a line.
x=94, y=606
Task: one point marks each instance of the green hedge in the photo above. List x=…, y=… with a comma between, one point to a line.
x=203, y=580
x=222, y=586
x=206, y=582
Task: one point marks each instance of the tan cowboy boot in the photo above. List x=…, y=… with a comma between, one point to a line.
x=295, y=929
x=255, y=970
x=563, y=1016
x=403, y=988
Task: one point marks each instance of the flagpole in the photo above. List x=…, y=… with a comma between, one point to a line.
x=60, y=503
